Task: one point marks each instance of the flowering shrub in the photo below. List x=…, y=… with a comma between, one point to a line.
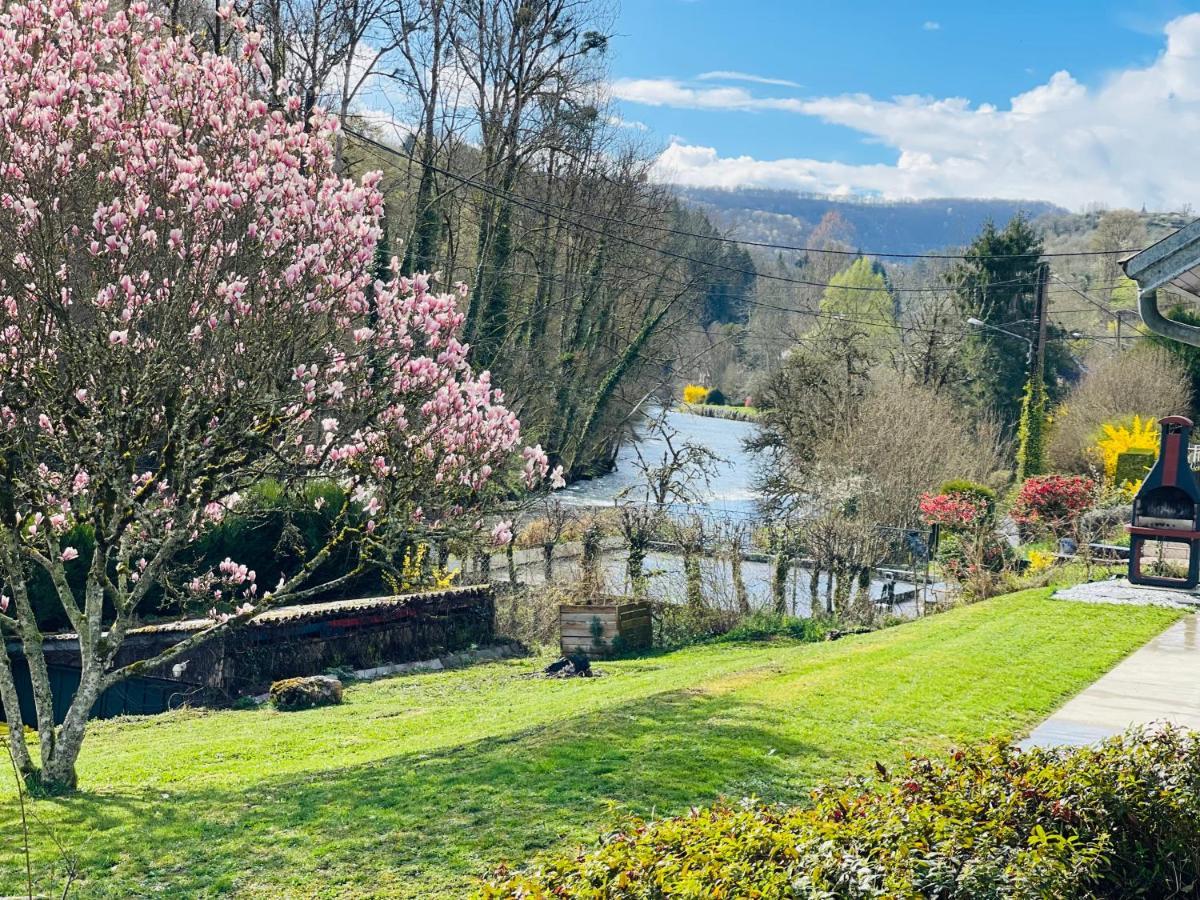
x=695, y=393
x=970, y=553
x=1119, y=820
x=1053, y=503
x=188, y=307
x=1140, y=436
x=1041, y=560
x=952, y=510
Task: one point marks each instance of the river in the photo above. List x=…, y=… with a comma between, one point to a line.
x=729, y=495
x=730, y=492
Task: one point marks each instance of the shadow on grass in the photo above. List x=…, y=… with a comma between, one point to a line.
x=418, y=824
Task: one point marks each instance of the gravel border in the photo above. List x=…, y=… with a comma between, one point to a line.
x=1120, y=592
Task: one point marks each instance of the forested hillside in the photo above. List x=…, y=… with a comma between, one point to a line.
x=911, y=226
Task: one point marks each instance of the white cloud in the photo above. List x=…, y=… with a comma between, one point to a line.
x=632, y=124
x=726, y=75
x=931, y=25
x=1128, y=141
x=669, y=92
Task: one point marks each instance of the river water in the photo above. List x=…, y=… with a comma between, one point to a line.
x=729, y=495
x=730, y=491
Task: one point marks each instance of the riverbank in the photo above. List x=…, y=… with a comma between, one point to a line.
x=733, y=413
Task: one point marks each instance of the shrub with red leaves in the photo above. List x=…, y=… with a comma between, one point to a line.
x=952, y=509
x=1053, y=503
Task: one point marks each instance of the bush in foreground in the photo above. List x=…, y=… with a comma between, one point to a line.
x=1121, y=820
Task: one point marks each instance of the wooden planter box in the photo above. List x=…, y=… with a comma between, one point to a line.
x=593, y=628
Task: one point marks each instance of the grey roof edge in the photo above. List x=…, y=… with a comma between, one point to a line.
x=1165, y=260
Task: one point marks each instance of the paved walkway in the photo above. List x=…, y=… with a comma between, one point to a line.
x=1161, y=681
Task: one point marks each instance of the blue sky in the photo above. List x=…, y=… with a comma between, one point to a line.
x=1101, y=83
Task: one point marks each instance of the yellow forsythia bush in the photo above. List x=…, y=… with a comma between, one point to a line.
x=1139, y=437
x=695, y=393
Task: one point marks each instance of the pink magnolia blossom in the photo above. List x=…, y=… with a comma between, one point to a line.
x=222, y=306
x=68, y=554
x=502, y=534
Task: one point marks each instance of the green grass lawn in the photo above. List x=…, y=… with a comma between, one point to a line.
x=418, y=783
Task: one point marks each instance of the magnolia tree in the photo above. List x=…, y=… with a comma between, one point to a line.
x=186, y=309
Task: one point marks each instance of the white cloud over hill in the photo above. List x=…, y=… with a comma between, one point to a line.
x=1130, y=140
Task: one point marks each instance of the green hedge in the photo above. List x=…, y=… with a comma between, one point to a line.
x=1133, y=465
x=1121, y=820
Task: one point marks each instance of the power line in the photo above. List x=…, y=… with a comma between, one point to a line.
x=747, y=272
x=535, y=207
x=765, y=245
x=1103, y=307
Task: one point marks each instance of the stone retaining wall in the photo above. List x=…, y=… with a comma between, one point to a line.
x=290, y=641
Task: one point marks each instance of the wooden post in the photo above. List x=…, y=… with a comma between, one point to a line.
x=1043, y=319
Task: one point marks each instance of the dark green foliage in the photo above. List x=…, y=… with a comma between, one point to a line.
x=716, y=398
x=1120, y=820
x=996, y=283
x=42, y=595
x=272, y=533
x=727, y=270
x=1031, y=431
x=276, y=532
x=763, y=625
x=1133, y=465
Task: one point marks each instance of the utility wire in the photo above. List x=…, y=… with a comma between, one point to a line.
x=1103, y=307
x=747, y=272
x=534, y=207
x=765, y=245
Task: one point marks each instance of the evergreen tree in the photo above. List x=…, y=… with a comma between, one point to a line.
x=996, y=282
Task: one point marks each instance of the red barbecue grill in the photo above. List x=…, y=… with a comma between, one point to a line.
x=1164, y=536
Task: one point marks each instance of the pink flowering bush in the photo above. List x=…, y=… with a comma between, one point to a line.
x=970, y=551
x=187, y=308
x=1053, y=504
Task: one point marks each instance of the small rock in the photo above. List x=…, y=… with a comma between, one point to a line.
x=292, y=694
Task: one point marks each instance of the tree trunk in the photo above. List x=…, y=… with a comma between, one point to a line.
x=739, y=583
x=591, y=560
x=842, y=589
x=58, y=769
x=635, y=564
x=510, y=557
x=12, y=715
x=779, y=575
x=691, y=574
x=483, y=566
x=548, y=563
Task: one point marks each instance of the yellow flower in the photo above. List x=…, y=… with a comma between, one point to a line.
x=1141, y=437
x=1040, y=560
x=695, y=393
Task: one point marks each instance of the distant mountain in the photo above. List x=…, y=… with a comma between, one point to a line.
x=910, y=226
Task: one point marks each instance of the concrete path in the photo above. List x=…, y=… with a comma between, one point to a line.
x=1159, y=682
